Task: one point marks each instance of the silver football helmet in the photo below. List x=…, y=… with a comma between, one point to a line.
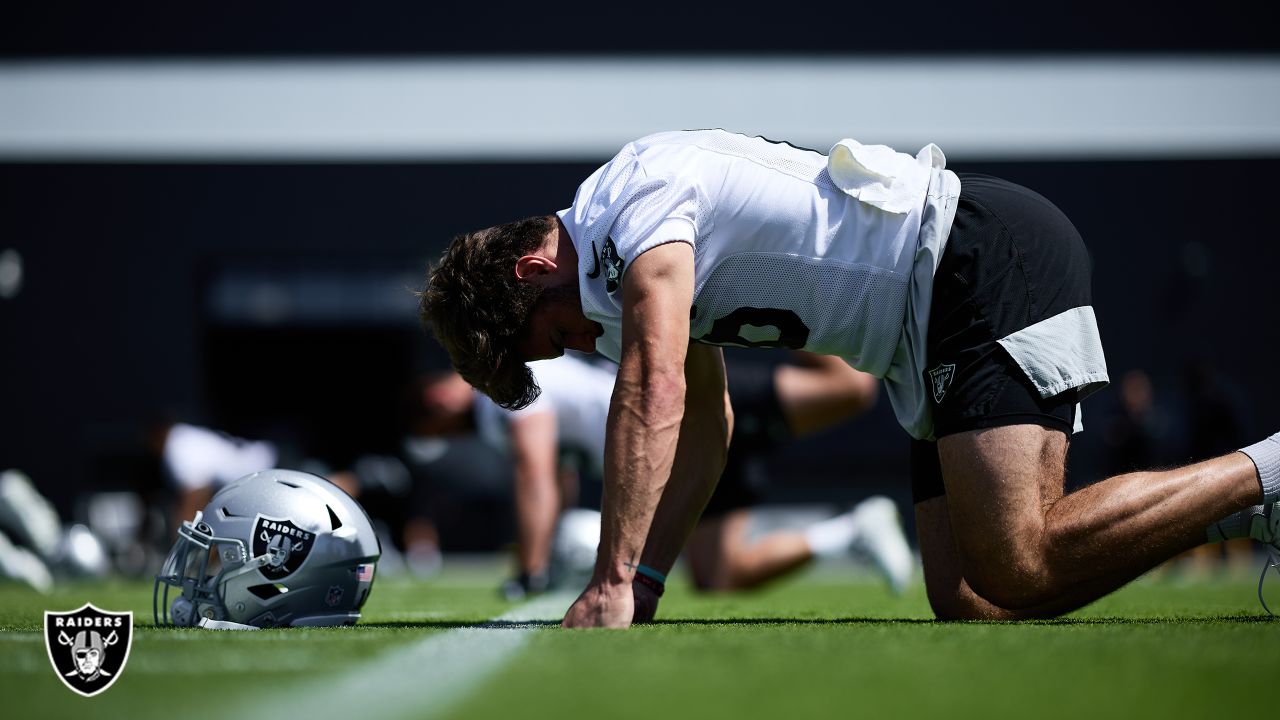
x=277, y=548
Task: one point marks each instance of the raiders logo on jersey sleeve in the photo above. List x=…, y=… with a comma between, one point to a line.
x=613, y=264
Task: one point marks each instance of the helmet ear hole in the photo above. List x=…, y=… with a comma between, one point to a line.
x=266, y=591
x=334, y=522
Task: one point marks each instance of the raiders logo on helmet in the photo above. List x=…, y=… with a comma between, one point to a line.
x=88, y=647
x=287, y=544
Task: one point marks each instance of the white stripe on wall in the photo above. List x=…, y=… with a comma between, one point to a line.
x=552, y=109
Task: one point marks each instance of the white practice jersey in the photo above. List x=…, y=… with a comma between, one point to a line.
x=577, y=391
x=792, y=248
x=197, y=457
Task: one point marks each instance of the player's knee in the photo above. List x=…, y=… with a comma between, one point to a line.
x=1014, y=582
x=970, y=606
x=954, y=605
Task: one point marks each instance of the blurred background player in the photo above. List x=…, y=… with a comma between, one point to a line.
x=554, y=447
x=36, y=548
x=197, y=461
x=772, y=404
x=803, y=395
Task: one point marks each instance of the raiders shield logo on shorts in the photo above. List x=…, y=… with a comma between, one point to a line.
x=287, y=544
x=88, y=647
x=941, y=379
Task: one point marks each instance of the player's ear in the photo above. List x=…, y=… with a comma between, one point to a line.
x=531, y=267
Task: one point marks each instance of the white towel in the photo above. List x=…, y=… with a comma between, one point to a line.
x=881, y=176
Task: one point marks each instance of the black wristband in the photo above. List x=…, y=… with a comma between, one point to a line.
x=656, y=586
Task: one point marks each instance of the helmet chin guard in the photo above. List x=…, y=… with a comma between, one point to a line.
x=277, y=548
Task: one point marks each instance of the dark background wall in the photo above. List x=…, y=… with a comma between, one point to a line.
x=293, y=27
x=116, y=318
x=257, y=297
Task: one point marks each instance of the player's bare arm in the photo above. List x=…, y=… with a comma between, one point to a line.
x=818, y=391
x=537, y=495
x=700, y=456
x=644, y=426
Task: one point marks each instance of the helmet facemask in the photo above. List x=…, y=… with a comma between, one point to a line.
x=200, y=565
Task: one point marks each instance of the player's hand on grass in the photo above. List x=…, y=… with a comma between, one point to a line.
x=604, y=605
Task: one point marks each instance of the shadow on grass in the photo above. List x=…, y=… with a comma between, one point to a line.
x=1207, y=620
x=851, y=621
x=457, y=624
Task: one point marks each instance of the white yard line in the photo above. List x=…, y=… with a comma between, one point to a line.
x=420, y=680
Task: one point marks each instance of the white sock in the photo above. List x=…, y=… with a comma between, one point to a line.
x=832, y=537
x=1266, y=457
x=1238, y=525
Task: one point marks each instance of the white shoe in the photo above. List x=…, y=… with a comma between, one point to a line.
x=22, y=565
x=880, y=539
x=424, y=560
x=27, y=515
x=81, y=555
x=1265, y=527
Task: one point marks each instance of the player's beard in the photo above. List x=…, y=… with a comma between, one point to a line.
x=512, y=385
x=531, y=297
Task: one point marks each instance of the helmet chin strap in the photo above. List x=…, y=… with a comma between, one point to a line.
x=209, y=624
x=249, y=566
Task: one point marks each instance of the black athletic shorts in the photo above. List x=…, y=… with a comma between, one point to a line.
x=1012, y=259
x=758, y=427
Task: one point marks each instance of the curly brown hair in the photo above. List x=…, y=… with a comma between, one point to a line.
x=479, y=310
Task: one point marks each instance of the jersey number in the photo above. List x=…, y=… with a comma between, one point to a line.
x=792, y=332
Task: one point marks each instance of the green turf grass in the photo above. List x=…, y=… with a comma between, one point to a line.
x=817, y=646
